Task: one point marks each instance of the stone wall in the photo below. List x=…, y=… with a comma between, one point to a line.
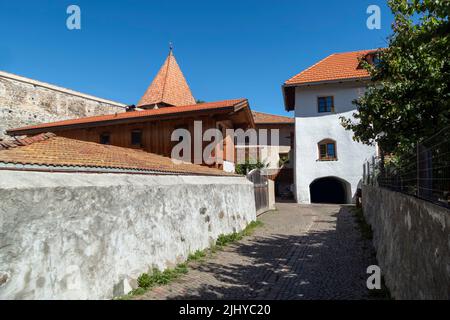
x=89, y=236
x=412, y=239
x=25, y=102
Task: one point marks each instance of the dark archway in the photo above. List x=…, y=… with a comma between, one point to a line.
x=329, y=190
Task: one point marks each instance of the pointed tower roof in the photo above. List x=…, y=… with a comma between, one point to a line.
x=169, y=87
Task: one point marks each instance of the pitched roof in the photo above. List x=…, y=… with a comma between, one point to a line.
x=208, y=108
x=168, y=87
x=49, y=152
x=338, y=66
x=266, y=118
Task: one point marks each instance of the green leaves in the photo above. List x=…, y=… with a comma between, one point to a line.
x=408, y=99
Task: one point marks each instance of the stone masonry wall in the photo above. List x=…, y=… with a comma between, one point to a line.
x=412, y=239
x=25, y=102
x=89, y=236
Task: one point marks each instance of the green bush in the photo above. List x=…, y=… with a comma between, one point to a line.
x=247, y=166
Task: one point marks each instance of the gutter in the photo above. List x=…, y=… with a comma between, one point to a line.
x=307, y=84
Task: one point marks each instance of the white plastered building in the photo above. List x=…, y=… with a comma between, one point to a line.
x=328, y=163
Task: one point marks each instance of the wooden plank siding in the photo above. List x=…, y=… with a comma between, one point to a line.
x=156, y=135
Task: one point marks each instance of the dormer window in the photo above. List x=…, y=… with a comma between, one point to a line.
x=325, y=104
x=372, y=58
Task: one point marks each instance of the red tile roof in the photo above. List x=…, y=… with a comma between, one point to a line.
x=266, y=118
x=168, y=87
x=338, y=66
x=226, y=105
x=48, y=150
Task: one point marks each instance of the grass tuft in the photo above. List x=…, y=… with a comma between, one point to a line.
x=225, y=239
x=196, y=256
x=146, y=281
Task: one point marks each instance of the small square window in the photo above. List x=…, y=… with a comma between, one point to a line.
x=136, y=137
x=325, y=104
x=105, y=138
x=327, y=151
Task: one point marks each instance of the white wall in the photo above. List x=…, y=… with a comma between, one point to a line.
x=311, y=127
x=269, y=152
x=89, y=236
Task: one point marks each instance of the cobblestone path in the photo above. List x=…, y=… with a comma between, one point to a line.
x=301, y=252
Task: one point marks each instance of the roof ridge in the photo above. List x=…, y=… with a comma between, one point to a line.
x=21, y=142
x=167, y=74
x=315, y=64
x=134, y=114
x=356, y=51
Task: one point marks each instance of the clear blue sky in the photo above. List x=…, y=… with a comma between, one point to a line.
x=226, y=49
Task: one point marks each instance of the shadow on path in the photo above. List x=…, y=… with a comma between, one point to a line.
x=327, y=262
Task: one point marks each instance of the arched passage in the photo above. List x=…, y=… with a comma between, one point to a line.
x=329, y=190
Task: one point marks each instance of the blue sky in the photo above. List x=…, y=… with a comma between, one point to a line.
x=226, y=49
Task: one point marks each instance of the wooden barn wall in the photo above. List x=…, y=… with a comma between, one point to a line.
x=156, y=135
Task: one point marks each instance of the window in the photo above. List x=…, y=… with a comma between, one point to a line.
x=136, y=138
x=105, y=138
x=327, y=150
x=325, y=104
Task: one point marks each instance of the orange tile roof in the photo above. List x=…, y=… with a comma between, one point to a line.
x=49, y=150
x=151, y=113
x=338, y=66
x=266, y=118
x=168, y=87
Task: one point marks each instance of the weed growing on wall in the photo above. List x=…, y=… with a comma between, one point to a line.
x=147, y=281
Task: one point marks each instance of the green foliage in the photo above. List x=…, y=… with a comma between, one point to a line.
x=409, y=98
x=157, y=277
x=247, y=166
x=283, y=160
x=147, y=281
x=224, y=240
x=144, y=280
x=248, y=231
x=197, y=255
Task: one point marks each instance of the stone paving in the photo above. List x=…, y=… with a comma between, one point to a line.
x=301, y=252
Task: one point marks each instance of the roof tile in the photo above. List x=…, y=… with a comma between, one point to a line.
x=134, y=115
x=50, y=150
x=168, y=87
x=338, y=66
x=266, y=118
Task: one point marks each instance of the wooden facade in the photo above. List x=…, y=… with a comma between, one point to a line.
x=153, y=134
